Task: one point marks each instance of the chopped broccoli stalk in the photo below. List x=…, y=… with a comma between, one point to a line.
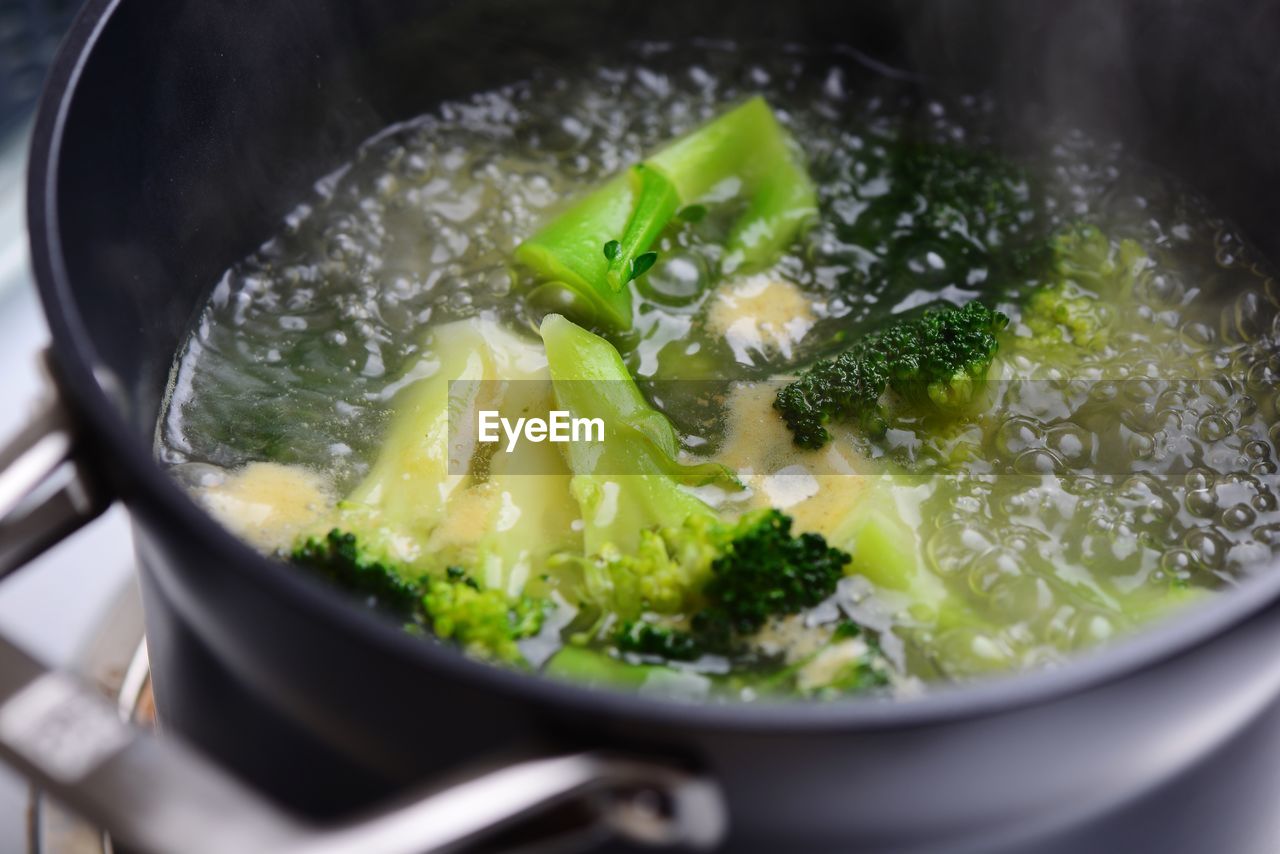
x=938, y=360
x=643, y=533
x=883, y=537
x=420, y=503
x=746, y=145
x=486, y=623
x=596, y=667
x=405, y=493
x=427, y=511
x=656, y=203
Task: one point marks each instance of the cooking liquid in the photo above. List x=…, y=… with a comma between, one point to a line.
x=1135, y=466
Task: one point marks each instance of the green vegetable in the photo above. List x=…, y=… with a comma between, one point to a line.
x=938, y=360
x=1089, y=278
x=485, y=623
x=763, y=571
x=596, y=667
x=645, y=537
x=744, y=148
x=395, y=537
x=343, y=559
x=649, y=544
x=930, y=215
x=644, y=638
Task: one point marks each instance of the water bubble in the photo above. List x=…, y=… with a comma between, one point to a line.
x=677, y=279
x=1238, y=516
x=1207, y=546
x=1018, y=434
x=1202, y=503
x=1213, y=428
x=1071, y=443
x=1038, y=461
x=1141, y=446
x=991, y=567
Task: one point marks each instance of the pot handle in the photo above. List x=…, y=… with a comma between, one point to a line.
x=159, y=796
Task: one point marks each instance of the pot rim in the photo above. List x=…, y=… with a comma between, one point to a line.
x=150, y=486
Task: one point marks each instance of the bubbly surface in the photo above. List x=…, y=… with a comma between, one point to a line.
x=1150, y=459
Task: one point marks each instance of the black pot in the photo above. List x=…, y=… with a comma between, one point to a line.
x=175, y=134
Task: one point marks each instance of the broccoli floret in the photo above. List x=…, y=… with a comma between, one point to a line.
x=648, y=639
x=937, y=360
x=485, y=623
x=341, y=558
x=756, y=569
x=1088, y=277
x=764, y=571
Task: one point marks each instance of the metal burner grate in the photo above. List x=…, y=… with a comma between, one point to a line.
x=116, y=660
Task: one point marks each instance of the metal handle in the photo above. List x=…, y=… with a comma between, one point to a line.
x=159, y=796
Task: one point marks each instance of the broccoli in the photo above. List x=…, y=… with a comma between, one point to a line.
x=649, y=544
x=595, y=248
x=641, y=637
x=764, y=571
x=433, y=536
x=485, y=623
x=340, y=557
x=1088, y=277
x=938, y=360
x=758, y=569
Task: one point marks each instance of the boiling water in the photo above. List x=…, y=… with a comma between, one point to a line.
x=1119, y=473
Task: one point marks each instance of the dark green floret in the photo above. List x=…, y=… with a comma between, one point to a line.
x=643, y=638
x=485, y=623
x=937, y=360
x=766, y=571
x=760, y=570
x=342, y=559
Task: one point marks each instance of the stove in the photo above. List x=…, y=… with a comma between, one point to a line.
x=115, y=660
x=56, y=605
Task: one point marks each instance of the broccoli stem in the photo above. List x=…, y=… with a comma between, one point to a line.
x=656, y=203
x=744, y=152
x=595, y=667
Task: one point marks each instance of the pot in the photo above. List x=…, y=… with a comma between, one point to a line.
x=173, y=137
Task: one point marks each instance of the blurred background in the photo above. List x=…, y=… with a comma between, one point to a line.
x=55, y=606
